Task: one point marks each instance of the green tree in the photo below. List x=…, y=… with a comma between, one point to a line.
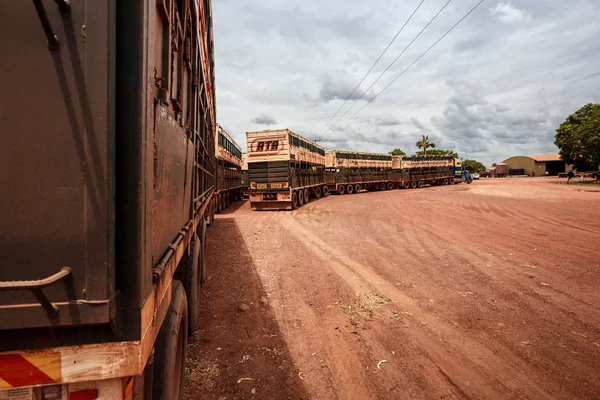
x=397, y=152
x=425, y=144
x=473, y=166
x=578, y=138
x=439, y=152
x=493, y=164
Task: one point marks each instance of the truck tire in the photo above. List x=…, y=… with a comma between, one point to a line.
x=413, y=184
x=390, y=185
x=218, y=203
x=420, y=184
x=317, y=191
x=190, y=279
x=406, y=185
x=357, y=188
x=211, y=218
x=325, y=191
x=341, y=189
x=382, y=186
x=294, y=200
x=349, y=189
x=170, y=348
x=300, y=198
x=202, y=258
x=306, y=195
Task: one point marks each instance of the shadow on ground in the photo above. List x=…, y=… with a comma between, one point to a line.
x=237, y=354
x=233, y=207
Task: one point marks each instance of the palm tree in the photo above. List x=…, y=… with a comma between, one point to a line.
x=425, y=144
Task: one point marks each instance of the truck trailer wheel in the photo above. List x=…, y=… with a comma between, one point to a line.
x=210, y=215
x=390, y=185
x=325, y=191
x=413, y=184
x=349, y=189
x=341, y=189
x=420, y=184
x=306, y=195
x=317, y=191
x=294, y=200
x=170, y=348
x=202, y=259
x=300, y=198
x=189, y=275
x=218, y=203
x=406, y=185
x=357, y=188
x=382, y=186
x=211, y=218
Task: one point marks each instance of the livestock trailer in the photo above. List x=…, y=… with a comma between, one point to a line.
x=284, y=169
x=108, y=110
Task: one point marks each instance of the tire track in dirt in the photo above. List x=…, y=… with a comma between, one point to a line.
x=472, y=366
x=322, y=352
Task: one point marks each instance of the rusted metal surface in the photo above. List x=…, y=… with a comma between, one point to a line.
x=56, y=206
x=112, y=158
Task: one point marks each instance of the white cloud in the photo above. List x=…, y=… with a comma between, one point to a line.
x=509, y=14
x=495, y=87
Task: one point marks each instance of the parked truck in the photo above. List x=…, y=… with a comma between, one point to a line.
x=284, y=170
x=418, y=171
x=348, y=172
x=108, y=110
x=230, y=186
x=460, y=173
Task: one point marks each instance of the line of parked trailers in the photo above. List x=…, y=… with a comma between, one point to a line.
x=116, y=169
x=285, y=170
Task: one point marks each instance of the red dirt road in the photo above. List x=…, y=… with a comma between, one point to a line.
x=483, y=291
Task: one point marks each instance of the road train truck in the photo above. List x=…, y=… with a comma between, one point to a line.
x=108, y=171
x=284, y=170
x=349, y=172
x=230, y=185
x=418, y=171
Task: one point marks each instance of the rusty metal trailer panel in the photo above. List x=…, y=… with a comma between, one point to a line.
x=109, y=176
x=357, y=159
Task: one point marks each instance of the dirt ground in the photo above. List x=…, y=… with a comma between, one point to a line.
x=483, y=291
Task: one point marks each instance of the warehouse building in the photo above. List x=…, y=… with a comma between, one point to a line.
x=535, y=165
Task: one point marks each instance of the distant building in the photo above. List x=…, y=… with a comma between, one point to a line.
x=535, y=165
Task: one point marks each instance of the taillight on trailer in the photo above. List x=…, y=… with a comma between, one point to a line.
x=84, y=395
x=252, y=185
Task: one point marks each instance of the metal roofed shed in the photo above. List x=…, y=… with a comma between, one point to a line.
x=535, y=165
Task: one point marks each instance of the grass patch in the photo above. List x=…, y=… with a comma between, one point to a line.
x=364, y=304
x=313, y=210
x=579, y=182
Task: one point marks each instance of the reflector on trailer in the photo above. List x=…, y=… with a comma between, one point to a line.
x=84, y=395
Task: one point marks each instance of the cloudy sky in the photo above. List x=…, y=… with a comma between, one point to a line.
x=496, y=86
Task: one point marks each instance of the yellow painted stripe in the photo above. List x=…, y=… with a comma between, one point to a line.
x=49, y=362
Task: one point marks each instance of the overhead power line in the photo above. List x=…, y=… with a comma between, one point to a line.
x=373, y=66
x=393, y=62
x=414, y=62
